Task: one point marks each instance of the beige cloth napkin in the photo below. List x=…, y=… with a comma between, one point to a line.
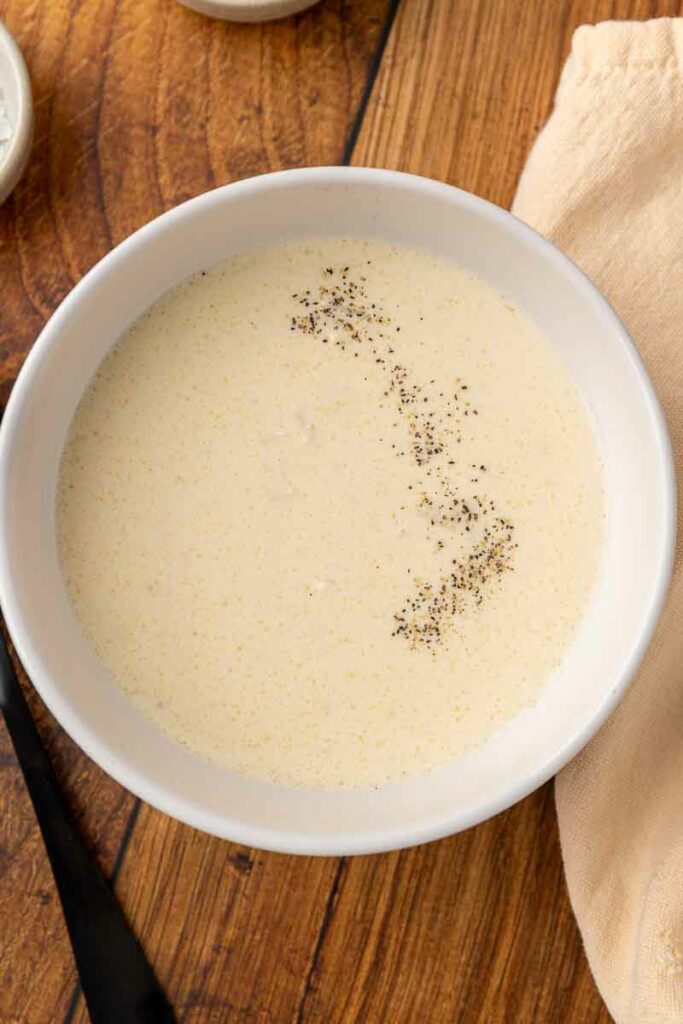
x=605, y=182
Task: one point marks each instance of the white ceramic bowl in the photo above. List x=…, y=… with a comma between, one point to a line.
x=248, y=10
x=15, y=87
x=638, y=477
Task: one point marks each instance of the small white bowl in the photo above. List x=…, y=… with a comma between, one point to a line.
x=15, y=86
x=639, y=485
x=248, y=10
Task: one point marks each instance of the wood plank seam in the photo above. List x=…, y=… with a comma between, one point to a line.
x=325, y=925
x=352, y=137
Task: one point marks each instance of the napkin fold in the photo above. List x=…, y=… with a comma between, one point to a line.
x=605, y=182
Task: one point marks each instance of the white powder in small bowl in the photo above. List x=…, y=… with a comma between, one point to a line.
x=5, y=127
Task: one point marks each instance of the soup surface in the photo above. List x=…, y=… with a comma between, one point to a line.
x=330, y=512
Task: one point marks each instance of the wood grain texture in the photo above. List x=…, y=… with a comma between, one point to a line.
x=141, y=104
x=465, y=86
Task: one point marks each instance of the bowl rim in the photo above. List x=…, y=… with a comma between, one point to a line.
x=242, y=12
x=12, y=166
x=221, y=824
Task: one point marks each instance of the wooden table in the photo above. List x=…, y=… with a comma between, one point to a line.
x=141, y=104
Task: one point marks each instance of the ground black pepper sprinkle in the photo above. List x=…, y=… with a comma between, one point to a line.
x=342, y=315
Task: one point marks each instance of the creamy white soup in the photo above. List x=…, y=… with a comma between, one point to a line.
x=330, y=512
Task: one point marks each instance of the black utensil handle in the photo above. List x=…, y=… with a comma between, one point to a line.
x=118, y=983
